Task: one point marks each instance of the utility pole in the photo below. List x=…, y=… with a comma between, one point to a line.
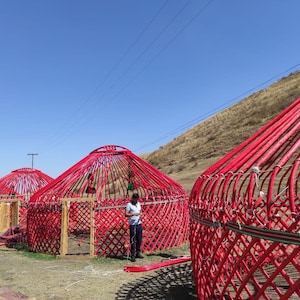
x=32, y=156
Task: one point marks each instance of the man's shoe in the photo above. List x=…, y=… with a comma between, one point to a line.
x=132, y=258
x=139, y=255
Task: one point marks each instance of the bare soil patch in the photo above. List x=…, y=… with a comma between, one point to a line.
x=78, y=277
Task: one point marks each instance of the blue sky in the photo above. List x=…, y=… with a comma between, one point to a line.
x=78, y=75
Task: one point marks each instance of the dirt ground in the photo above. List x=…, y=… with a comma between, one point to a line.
x=78, y=277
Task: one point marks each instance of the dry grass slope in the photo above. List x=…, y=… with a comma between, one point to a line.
x=184, y=158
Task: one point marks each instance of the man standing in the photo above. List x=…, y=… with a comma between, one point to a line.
x=133, y=213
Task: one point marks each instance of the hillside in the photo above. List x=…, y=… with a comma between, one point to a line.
x=184, y=158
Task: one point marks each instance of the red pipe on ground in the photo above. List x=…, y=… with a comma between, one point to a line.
x=156, y=265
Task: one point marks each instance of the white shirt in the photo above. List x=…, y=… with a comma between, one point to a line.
x=134, y=220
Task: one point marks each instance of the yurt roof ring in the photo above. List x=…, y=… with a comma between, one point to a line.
x=114, y=149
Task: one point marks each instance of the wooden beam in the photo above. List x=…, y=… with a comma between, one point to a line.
x=65, y=223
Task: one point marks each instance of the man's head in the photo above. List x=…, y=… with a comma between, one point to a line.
x=135, y=197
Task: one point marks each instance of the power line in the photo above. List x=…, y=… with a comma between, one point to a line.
x=190, y=123
x=152, y=42
x=110, y=72
x=226, y=104
x=179, y=12
x=161, y=51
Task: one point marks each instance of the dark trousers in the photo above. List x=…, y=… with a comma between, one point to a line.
x=136, y=234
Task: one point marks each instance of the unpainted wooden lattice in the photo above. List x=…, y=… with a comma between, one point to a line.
x=22, y=184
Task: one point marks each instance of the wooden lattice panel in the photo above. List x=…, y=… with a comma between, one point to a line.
x=164, y=223
x=9, y=211
x=110, y=175
x=22, y=184
x=245, y=217
x=45, y=227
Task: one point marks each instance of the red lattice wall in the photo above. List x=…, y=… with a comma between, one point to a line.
x=110, y=174
x=245, y=217
x=23, y=183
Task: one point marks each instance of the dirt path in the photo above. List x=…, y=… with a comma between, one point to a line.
x=82, y=278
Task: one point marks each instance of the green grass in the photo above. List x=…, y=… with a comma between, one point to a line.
x=149, y=258
x=39, y=256
x=183, y=250
x=24, y=250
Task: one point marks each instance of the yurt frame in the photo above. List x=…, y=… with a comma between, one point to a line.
x=108, y=176
x=17, y=187
x=245, y=217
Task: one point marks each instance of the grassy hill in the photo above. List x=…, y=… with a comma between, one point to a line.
x=188, y=155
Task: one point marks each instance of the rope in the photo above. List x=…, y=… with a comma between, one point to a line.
x=267, y=234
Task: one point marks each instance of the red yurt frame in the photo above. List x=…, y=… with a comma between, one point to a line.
x=21, y=184
x=86, y=204
x=245, y=217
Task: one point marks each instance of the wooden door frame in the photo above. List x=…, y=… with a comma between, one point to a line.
x=65, y=223
x=15, y=201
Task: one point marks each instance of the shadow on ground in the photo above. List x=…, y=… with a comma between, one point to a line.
x=170, y=283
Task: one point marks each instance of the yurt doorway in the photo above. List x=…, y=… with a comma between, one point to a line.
x=9, y=211
x=77, y=226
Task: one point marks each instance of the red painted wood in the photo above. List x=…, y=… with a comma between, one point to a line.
x=158, y=265
x=114, y=171
x=23, y=182
x=245, y=217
